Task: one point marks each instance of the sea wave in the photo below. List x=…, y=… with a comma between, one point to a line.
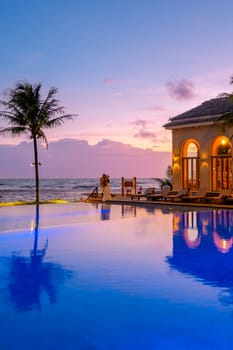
x=50, y=189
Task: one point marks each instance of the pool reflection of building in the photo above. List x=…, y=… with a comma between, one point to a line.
x=202, y=247
x=197, y=228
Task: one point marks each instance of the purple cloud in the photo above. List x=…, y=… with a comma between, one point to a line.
x=143, y=128
x=157, y=137
x=143, y=125
x=140, y=122
x=145, y=134
x=180, y=90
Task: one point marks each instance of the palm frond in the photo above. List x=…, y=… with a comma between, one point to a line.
x=50, y=106
x=163, y=182
x=223, y=94
x=25, y=111
x=226, y=120
x=58, y=121
x=15, y=130
x=41, y=136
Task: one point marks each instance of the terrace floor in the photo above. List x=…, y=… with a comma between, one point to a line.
x=118, y=199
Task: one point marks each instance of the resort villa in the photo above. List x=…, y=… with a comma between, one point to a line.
x=201, y=151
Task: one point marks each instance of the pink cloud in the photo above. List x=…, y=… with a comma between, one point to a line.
x=75, y=158
x=157, y=109
x=117, y=93
x=109, y=81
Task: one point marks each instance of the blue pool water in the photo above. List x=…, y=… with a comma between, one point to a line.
x=88, y=277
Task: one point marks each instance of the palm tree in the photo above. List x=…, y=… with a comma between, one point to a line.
x=27, y=112
x=165, y=181
x=226, y=120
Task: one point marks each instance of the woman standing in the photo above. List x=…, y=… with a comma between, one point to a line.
x=106, y=189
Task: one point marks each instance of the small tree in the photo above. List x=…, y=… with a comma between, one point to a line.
x=27, y=112
x=165, y=181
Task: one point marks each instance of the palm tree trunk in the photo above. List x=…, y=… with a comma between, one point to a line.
x=36, y=170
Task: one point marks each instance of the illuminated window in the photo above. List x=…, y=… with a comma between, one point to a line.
x=192, y=150
x=191, y=166
x=221, y=161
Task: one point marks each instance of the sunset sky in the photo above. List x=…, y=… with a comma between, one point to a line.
x=124, y=66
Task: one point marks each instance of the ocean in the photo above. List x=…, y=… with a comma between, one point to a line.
x=13, y=190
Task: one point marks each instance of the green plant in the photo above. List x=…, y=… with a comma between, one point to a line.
x=165, y=181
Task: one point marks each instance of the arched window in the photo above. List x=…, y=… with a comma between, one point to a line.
x=191, y=160
x=221, y=164
x=192, y=150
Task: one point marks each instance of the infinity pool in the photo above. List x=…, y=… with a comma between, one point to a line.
x=94, y=277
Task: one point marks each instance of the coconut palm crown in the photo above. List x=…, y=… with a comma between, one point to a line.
x=226, y=120
x=26, y=111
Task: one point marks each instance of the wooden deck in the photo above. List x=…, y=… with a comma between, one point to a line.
x=118, y=199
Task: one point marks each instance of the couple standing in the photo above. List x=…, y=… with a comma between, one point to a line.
x=105, y=187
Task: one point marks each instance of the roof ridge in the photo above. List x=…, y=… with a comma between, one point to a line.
x=210, y=109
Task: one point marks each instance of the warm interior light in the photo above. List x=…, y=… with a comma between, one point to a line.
x=204, y=156
x=175, y=167
x=223, y=142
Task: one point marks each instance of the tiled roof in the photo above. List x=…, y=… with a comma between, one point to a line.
x=207, y=112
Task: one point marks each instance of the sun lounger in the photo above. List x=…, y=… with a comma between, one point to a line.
x=147, y=192
x=159, y=195
x=173, y=195
x=216, y=196
x=228, y=198
x=194, y=196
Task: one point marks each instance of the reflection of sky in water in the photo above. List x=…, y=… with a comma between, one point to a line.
x=115, y=278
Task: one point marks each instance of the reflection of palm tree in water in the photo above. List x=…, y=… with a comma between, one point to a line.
x=30, y=276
